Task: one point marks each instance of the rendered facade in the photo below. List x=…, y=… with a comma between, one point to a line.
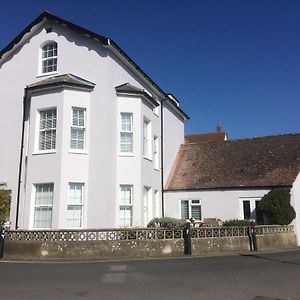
x=86, y=127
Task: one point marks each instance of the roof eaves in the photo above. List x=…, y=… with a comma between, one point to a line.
x=246, y=187
x=138, y=93
x=49, y=16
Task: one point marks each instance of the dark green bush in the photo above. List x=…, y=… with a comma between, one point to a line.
x=276, y=205
x=166, y=222
x=236, y=222
x=4, y=205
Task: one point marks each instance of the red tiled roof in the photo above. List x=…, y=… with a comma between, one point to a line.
x=204, y=137
x=258, y=162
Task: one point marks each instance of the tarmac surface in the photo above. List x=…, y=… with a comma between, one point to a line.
x=253, y=276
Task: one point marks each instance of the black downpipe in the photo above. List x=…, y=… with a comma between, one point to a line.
x=21, y=160
x=162, y=157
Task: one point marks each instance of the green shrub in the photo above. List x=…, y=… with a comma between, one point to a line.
x=4, y=205
x=236, y=222
x=276, y=205
x=166, y=222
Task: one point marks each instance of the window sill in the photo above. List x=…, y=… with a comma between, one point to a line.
x=44, y=152
x=126, y=154
x=46, y=74
x=78, y=152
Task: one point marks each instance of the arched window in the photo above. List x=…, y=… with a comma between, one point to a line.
x=49, y=57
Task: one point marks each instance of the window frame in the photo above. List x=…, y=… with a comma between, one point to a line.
x=35, y=205
x=253, y=213
x=125, y=206
x=73, y=204
x=78, y=150
x=147, y=139
x=156, y=152
x=147, y=205
x=190, y=205
x=127, y=133
x=38, y=149
x=48, y=58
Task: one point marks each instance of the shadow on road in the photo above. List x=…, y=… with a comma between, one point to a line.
x=270, y=259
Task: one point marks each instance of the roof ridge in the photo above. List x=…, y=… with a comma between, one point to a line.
x=265, y=136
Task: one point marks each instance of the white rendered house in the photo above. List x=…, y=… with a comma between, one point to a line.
x=89, y=137
x=225, y=179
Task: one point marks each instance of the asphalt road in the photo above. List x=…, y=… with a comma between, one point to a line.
x=241, y=276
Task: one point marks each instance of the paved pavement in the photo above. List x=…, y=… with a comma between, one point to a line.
x=259, y=276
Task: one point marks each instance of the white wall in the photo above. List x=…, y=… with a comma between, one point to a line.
x=173, y=138
x=85, y=58
x=134, y=168
x=221, y=204
x=295, y=201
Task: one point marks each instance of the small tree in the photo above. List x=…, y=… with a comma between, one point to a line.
x=276, y=205
x=4, y=205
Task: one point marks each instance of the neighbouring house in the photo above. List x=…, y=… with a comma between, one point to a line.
x=87, y=137
x=223, y=179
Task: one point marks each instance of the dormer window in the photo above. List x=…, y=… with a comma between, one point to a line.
x=49, y=57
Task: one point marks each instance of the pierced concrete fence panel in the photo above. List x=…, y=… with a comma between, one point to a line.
x=134, y=243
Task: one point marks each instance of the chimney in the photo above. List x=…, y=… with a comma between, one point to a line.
x=219, y=128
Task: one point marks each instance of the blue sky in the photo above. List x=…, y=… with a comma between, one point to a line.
x=236, y=62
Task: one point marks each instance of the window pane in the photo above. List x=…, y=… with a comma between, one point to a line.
x=49, y=57
x=74, y=216
x=184, y=209
x=78, y=117
x=42, y=217
x=44, y=194
x=77, y=138
x=196, y=212
x=126, y=194
x=126, y=122
x=125, y=216
x=75, y=193
x=247, y=210
x=126, y=142
x=47, y=135
x=43, y=206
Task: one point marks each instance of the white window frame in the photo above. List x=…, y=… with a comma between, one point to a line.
x=48, y=206
x=156, y=152
x=76, y=204
x=48, y=58
x=126, y=206
x=147, y=140
x=252, y=201
x=147, y=204
x=78, y=127
x=190, y=205
x=128, y=133
x=41, y=131
x=156, y=206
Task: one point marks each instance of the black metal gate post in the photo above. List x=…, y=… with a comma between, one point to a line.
x=2, y=234
x=187, y=239
x=252, y=238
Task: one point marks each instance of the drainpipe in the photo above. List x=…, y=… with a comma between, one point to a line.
x=162, y=157
x=21, y=159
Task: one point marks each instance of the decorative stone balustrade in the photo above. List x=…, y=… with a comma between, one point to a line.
x=138, y=233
